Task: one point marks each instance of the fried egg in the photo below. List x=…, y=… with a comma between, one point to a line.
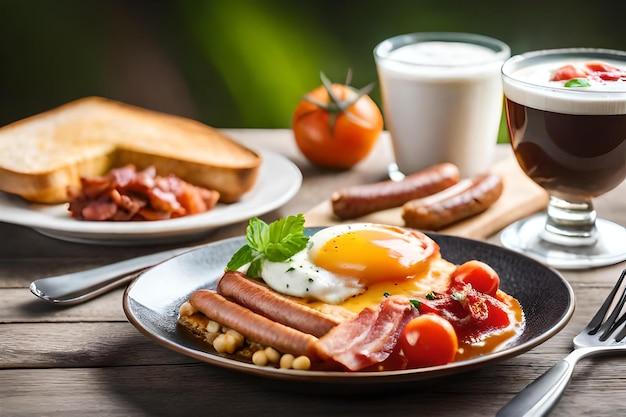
x=346, y=262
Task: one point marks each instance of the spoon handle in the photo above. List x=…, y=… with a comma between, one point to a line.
x=81, y=286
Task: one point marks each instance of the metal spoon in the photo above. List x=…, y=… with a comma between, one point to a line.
x=81, y=286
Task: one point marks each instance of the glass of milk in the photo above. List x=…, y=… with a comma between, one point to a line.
x=442, y=99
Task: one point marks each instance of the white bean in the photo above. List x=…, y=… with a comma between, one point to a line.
x=301, y=363
x=259, y=358
x=286, y=361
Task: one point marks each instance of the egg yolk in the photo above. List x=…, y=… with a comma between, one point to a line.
x=374, y=255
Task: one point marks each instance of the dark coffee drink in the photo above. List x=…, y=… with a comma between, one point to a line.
x=571, y=155
x=566, y=117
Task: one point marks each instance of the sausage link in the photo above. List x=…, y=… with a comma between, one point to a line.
x=359, y=200
x=259, y=298
x=465, y=199
x=253, y=326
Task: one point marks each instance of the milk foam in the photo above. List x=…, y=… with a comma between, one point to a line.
x=530, y=86
x=443, y=53
x=439, y=59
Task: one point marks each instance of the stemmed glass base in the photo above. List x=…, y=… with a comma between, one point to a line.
x=609, y=248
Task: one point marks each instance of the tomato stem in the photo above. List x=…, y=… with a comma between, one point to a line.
x=336, y=106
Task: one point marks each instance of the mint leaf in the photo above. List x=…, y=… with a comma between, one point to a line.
x=275, y=242
x=243, y=256
x=286, y=238
x=254, y=270
x=578, y=82
x=257, y=234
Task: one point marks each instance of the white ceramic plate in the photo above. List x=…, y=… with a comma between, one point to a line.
x=279, y=180
x=152, y=301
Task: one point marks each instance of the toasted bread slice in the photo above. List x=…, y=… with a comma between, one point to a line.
x=42, y=155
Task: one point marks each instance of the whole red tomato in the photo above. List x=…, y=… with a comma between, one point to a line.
x=336, y=126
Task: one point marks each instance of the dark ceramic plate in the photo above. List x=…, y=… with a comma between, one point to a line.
x=152, y=301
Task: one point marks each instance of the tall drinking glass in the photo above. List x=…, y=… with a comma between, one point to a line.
x=442, y=99
x=566, y=117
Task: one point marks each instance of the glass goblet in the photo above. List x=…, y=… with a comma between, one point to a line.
x=566, y=117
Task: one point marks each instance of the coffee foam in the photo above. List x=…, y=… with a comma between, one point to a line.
x=530, y=86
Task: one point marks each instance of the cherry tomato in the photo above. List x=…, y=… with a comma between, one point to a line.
x=481, y=276
x=600, y=67
x=339, y=129
x=428, y=340
x=568, y=72
x=597, y=70
x=605, y=71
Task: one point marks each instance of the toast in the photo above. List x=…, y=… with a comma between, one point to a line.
x=42, y=155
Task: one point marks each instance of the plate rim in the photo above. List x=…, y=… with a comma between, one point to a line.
x=361, y=377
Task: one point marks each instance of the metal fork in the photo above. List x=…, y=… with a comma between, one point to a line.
x=599, y=337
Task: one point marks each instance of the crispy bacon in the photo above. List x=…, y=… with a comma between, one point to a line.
x=370, y=338
x=127, y=195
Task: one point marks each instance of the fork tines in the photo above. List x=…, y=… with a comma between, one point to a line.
x=608, y=326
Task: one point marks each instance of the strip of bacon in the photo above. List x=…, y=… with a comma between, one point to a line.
x=370, y=338
x=125, y=194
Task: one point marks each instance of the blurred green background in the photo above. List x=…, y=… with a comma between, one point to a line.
x=245, y=63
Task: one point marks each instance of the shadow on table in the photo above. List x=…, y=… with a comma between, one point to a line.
x=178, y=389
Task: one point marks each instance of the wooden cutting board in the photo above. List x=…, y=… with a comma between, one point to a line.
x=520, y=198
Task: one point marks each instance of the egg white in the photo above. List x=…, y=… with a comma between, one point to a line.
x=300, y=277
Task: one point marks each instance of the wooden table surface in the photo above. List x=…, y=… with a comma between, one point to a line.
x=89, y=360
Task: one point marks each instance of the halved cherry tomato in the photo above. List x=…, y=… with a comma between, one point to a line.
x=605, y=71
x=481, y=276
x=568, y=72
x=596, y=66
x=593, y=70
x=428, y=340
x=339, y=129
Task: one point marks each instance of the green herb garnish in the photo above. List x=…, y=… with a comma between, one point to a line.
x=457, y=296
x=275, y=242
x=415, y=303
x=578, y=82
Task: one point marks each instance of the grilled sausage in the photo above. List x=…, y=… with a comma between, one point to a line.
x=359, y=200
x=253, y=326
x=259, y=298
x=465, y=199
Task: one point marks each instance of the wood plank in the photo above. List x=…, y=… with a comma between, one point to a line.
x=18, y=305
x=198, y=388
x=45, y=345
